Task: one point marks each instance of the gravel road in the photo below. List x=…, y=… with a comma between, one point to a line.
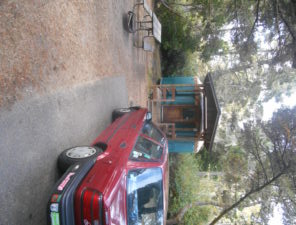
x=33, y=134
x=55, y=44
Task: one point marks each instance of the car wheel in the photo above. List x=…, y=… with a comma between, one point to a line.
x=131, y=24
x=119, y=113
x=77, y=154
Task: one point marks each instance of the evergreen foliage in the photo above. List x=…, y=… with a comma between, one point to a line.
x=204, y=26
x=250, y=48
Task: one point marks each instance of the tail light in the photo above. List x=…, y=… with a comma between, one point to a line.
x=91, y=207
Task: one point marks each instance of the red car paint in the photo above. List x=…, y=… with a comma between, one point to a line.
x=109, y=173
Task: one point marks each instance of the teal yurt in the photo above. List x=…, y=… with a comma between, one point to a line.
x=188, y=112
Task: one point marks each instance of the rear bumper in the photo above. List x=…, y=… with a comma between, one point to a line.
x=60, y=208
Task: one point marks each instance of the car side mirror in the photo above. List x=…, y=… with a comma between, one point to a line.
x=148, y=116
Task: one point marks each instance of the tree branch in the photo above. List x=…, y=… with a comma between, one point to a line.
x=287, y=24
x=192, y=5
x=165, y=4
x=248, y=194
x=257, y=156
x=277, y=22
x=256, y=20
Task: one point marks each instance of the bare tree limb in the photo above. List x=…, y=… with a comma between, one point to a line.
x=256, y=20
x=165, y=4
x=258, y=158
x=277, y=22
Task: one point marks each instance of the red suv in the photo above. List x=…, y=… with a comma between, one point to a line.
x=121, y=179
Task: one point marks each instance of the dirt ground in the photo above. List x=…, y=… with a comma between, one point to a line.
x=57, y=44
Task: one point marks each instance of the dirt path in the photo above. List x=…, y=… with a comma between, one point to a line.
x=58, y=44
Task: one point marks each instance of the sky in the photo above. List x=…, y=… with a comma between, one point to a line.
x=271, y=106
x=276, y=219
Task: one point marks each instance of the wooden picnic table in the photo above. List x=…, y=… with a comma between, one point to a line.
x=149, y=22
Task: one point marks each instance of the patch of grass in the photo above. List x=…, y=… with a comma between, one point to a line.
x=187, y=187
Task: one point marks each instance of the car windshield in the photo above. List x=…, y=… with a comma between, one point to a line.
x=145, y=197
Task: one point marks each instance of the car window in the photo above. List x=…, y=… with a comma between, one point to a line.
x=146, y=150
x=150, y=130
x=145, y=196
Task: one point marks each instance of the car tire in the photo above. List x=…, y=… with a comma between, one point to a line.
x=122, y=111
x=76, y=154
x=131, y=22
